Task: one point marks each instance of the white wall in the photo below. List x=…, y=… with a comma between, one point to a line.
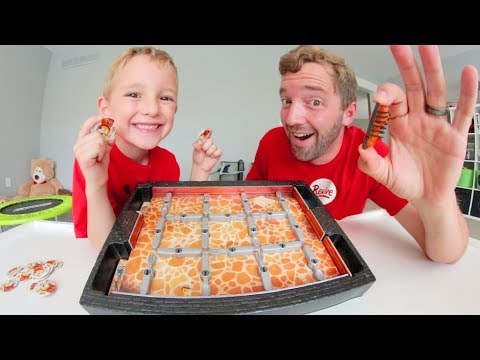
x=232, y=89
x=453, y=69
x=23, y=72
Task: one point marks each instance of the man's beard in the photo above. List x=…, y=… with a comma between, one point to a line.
x=321, y=144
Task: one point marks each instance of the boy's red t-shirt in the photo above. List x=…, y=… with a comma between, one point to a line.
x=123, y=176
x=341, y=186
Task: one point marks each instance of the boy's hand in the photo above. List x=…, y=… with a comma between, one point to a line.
x=205, y=156
x=92, y=151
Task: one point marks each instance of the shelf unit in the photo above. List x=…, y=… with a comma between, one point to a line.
x=229, y=171
x=468, y=187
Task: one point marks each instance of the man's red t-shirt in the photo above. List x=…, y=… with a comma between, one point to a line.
x=123, y=176
x=341, y=186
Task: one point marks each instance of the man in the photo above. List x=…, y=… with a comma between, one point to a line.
x=414, y=179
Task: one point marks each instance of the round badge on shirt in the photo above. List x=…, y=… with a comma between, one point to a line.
x=325, y=189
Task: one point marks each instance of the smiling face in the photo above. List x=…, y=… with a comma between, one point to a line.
x=142, y=100
x=318, y=93
x=312, y=114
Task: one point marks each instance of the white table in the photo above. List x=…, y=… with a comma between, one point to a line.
x=42, y=241
x=407, y=283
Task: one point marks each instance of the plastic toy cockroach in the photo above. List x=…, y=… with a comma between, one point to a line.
x=105, y=127
x=204, y=135
x=377, y=125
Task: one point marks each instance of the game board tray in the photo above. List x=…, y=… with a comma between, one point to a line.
x=228, y=247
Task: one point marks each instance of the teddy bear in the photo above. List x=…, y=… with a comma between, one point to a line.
x=43, y=180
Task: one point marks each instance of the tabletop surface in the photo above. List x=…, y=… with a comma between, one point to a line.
x=43, y=241
x=406, y=281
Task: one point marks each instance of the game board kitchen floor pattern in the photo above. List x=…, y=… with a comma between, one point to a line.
x=230, y=275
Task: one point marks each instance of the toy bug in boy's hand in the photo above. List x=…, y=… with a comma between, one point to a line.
x=377, y=125
x=105, y=127
x=204, y=135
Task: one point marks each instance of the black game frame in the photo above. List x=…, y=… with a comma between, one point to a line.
x=304, y=299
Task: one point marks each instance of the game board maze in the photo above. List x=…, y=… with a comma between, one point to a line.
x=224, y=244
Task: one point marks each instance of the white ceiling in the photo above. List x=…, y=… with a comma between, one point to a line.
x=372, y=62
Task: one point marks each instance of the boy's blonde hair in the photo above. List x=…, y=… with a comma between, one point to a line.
x=161, y=56
x=343, y=77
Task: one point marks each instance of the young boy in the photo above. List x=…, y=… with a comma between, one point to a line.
x=140, y=95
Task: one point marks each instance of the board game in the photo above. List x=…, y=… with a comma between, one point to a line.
x=227, y=247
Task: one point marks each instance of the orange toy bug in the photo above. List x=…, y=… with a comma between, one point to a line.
x=105, y=127
x=204, y=135
x=377, y=125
